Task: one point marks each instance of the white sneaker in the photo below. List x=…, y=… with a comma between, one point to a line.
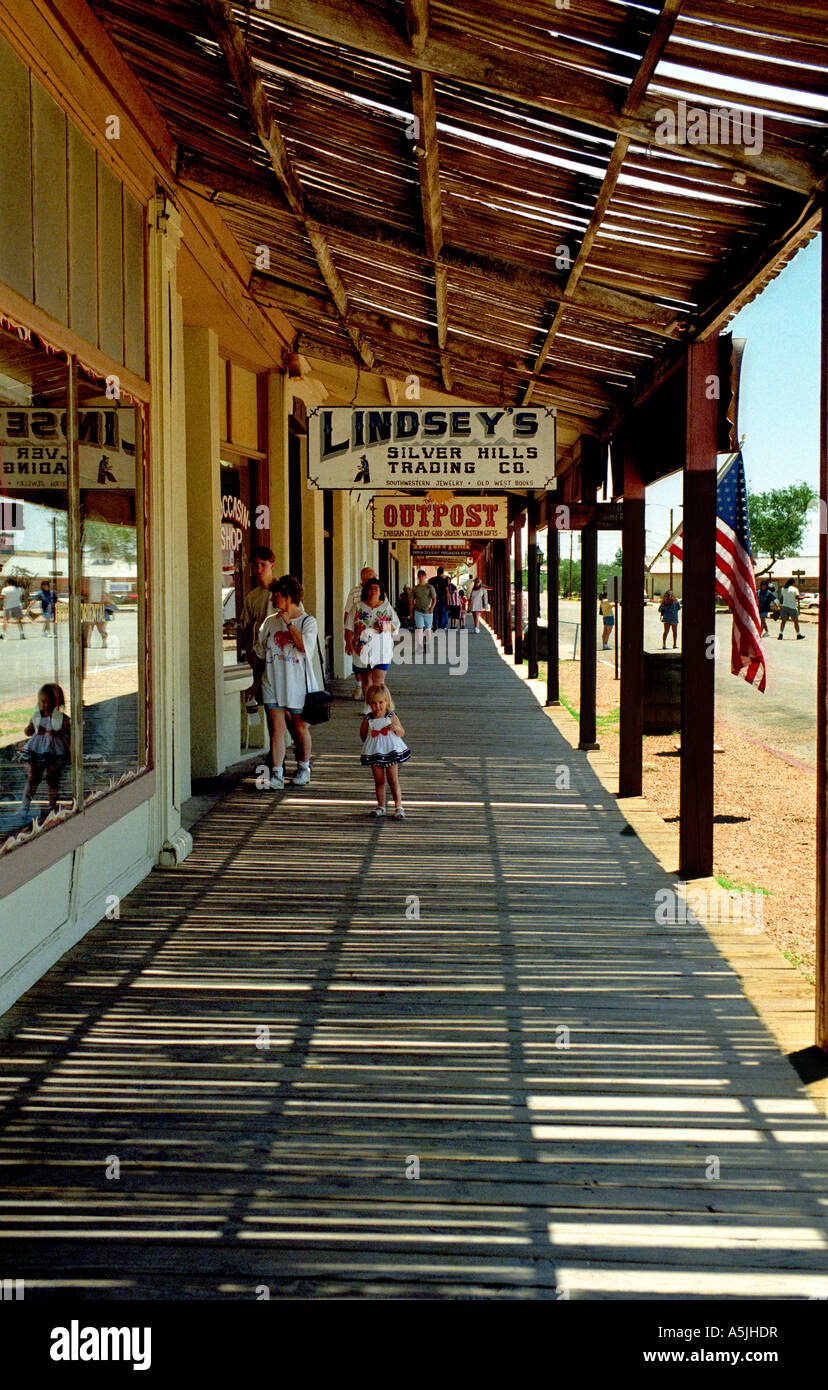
x=399, y=814
x=277, y=782
x=301, y=777
x=378, y=811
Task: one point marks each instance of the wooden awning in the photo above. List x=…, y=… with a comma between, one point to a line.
x=480, y=193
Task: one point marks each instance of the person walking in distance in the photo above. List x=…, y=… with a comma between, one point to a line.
x=608, y=617
x=478, y=603
x=383, y=749
x=765, y=601
x=790, y=610
x=669, y=611
x=12, y=596
x=425, y=597
x=48, y=603
x=351, y=602
x=453, y=603
x=284, y=651
x=440, y=584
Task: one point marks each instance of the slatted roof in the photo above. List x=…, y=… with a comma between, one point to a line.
x=480, y=192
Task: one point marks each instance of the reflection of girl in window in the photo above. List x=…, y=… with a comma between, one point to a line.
x=47, y=748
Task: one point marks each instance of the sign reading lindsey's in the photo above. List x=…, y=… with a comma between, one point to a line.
x=456, y=518
x=33, y=447
x=416, y=447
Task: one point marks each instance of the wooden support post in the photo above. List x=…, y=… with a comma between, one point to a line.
x=384, y=566
x=532, y=566
x=589, y=637
x=699, y=614
x=519, y=589
x=633, y=543
x=553, y=693
x=822, y=687
x=508, y=644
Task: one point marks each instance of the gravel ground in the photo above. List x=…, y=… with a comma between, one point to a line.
x=769, y=843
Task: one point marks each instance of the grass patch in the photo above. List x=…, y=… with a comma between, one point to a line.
x=570, y=708
x=15, y=716
x=733, y=886
x=800, y=964
x=609, y=721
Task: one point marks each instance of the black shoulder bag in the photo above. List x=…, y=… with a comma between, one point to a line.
x=317, y=706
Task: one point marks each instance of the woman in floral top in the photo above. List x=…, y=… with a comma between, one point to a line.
x=373, y=623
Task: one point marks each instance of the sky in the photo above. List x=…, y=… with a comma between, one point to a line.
x=778, y=398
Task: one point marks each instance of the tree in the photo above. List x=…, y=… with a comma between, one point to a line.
x=102, y=540
x=778, y=519
x=619, y=558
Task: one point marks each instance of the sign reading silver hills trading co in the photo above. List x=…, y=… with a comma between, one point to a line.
x=418, y=447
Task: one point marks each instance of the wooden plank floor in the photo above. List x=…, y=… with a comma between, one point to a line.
x=269, y=1041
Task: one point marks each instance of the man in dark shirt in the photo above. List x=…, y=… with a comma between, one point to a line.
x=440, y=584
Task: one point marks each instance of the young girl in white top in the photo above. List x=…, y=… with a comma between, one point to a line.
x=47, y=747
x=284, y=650
x=383, y=749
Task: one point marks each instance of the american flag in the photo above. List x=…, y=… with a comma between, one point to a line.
x=734, y=572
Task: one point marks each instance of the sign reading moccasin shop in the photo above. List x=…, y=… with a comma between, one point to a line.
x=33, y=447
x=450, y=518
x=469, y=447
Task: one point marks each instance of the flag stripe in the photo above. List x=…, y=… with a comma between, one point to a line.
x=735, y=583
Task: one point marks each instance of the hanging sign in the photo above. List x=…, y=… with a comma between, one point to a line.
x=453, y=518
x=574, y=516
x=33, y=447
x=473, y=447
x=440, y=555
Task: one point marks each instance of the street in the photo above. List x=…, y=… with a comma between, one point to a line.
x=784, y=716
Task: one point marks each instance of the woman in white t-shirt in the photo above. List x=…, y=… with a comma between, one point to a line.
x=284, y=649
x=373, y=624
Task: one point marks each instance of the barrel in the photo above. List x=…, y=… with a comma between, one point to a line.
x=662, y=692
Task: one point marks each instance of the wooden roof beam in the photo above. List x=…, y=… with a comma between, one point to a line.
x=360, y=26
x=424, y=103
x=417, y=21
x=659, y=39
x=631, y=310
x=251, y=90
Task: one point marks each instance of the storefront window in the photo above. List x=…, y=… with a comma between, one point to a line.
x=238, y=502
x=109, y=435
x=72, y=712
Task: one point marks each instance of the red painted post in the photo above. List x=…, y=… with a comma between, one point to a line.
x=633, y=544
x=699, y=613
x=822, y=687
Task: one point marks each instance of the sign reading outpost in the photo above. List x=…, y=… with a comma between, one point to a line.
x=455, y=518
x=33, y=447
x=418, y=447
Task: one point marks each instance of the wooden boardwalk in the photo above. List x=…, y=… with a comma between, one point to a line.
x=233, y=1085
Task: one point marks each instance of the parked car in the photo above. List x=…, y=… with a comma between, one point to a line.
x=809, y=601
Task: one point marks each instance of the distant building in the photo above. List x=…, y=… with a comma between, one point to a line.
x=804, y=569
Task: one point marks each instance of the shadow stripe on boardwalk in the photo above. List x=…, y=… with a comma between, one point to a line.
x=275, y=1036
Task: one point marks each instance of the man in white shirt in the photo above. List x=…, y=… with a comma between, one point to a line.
x=13, y=607
x=350, y=603
x=790, y=610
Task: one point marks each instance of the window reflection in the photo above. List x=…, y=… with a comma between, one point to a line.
x=36, y=714
x=109, y=590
